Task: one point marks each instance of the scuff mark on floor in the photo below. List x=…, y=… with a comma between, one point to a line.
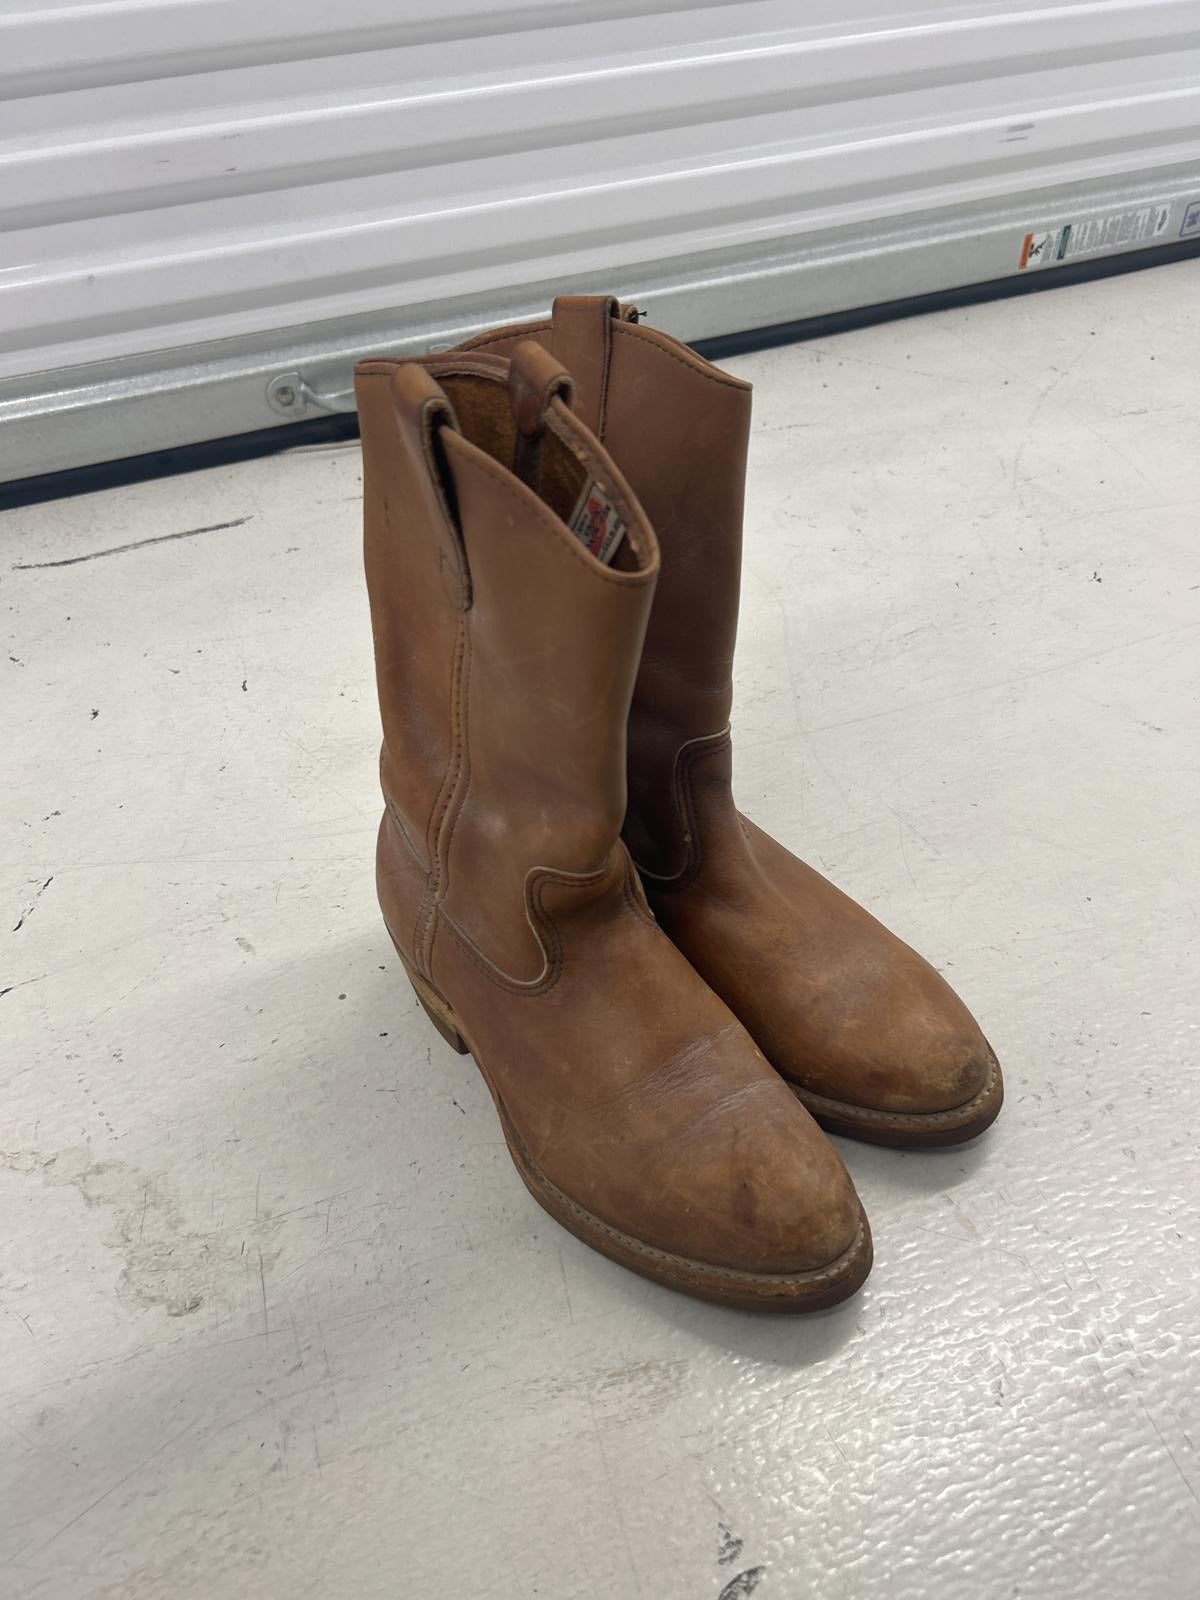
x=167, y=1262
x=137, y=544
x=744, y=1585
x=26, y=914
x=729, y=1546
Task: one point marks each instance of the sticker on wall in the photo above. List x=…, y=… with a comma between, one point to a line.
x=1191, y=220
x=1117, y=231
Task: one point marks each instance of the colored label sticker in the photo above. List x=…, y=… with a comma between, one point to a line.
x=1118, y=230
x=596, y=523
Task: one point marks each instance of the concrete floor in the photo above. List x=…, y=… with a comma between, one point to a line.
x=277, y=1316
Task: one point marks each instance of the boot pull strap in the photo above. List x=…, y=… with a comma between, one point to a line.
x=535, y=378
x=581, y=338
x=422, y=410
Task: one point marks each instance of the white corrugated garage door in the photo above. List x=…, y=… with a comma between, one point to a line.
x=211, y=207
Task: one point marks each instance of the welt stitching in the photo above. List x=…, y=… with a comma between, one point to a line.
x=574, y=551
x=631, y=330
x=898, y=1119
x=701, y=1271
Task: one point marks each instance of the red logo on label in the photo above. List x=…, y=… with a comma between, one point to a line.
x=594, y=524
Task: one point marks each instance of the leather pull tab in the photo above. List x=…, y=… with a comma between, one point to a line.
x=535, y=378
x=581, y=338
x=422, y=410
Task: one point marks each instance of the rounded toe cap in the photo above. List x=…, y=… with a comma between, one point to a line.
x=935, y=1068
x=785, y=1204
x=906, y=1046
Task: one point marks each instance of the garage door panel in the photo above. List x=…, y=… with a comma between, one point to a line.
x=190, y=175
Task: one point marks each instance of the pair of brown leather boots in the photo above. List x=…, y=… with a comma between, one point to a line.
x=661, y=998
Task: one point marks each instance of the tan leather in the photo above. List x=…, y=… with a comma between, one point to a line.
x=871, y=1037
x=637, y=1108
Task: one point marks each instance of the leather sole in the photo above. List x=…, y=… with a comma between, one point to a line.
x=908, y=1130
x=726, y=1286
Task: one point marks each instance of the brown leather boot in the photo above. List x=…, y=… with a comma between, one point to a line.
x=638, y=1110
x=873, y=1041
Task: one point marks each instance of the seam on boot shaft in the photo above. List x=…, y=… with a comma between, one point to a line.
x=450, y=802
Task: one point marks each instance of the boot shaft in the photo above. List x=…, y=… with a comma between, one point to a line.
x=506, y=652
x=679, y=430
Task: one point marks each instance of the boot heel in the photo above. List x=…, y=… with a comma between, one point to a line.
x=438, y=1012
x=439, y=1015
x=435, y=1008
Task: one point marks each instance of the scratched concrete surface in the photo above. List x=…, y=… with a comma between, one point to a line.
x=276, y=1315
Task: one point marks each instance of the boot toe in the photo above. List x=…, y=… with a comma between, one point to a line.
x=919, y=1093
x=809, y=1214
x=783, y=1204
x=757, y=1215
x=932, y=1068
x=905, y=1045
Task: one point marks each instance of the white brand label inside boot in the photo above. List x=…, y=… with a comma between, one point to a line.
x=596, y=523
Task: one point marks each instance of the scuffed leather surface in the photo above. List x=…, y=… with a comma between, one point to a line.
x=841, y=1007
x=675, y=1129
x=972, y=551
x=835, y=1000
x=634, y=1090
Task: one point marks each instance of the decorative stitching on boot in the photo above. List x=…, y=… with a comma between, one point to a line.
x=545, y=929
x=542, y=924
x=459, y=673
x=686, y=757
x=457, y=799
